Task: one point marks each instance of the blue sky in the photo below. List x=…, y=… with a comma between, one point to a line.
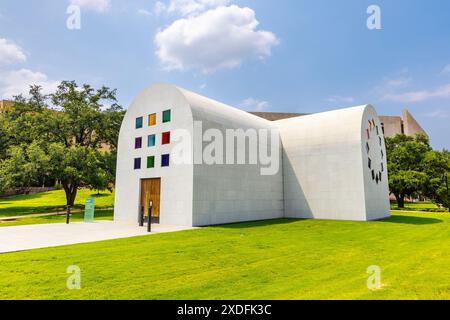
x=303, y=56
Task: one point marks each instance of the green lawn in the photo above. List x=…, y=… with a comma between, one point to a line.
x=418, y=206
x=52, y=201
x=282, y=259
x=99, y=215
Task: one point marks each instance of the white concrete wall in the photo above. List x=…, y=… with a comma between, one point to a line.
x=176, y=180
x=323, y=167
x=376, y=193
x=232, y=193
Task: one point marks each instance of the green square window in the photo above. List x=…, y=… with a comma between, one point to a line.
x=166, y=116
x=150, y=162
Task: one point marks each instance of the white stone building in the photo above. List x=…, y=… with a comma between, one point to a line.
x=330, y=165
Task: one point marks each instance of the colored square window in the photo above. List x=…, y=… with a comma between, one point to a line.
x=165, y=159
x=152, y=119
x=166, y=138
x=137, y=163
x=138, y=143
x=139, y=122
x=150, y=162
x=151, y=141
x=167, y=116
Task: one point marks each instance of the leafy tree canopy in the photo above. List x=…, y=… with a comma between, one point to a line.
x=416, y=169
x=59, y=137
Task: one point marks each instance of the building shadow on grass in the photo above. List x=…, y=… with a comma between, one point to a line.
x=412, y=220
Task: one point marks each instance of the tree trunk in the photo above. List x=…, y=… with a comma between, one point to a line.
x=400, y=201
x=71, y=193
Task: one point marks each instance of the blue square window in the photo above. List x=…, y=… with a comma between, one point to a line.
x=137, y=163
x=151, y=140
x=165, y=159
x=139, y=122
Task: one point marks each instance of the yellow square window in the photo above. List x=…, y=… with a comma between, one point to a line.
x=152, y=119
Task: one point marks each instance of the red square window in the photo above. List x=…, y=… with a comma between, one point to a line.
x=166, y=138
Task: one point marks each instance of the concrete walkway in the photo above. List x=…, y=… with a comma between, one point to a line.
x=29, y=237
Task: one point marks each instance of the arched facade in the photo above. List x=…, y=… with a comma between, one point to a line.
x=319, y=163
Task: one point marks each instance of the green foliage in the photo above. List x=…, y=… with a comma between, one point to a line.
x=415, y=169
x=58, y=138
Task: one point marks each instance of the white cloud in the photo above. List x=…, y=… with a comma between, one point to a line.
x=220, y=38
x=438, y=113
x=419, y=96
x=159, y=8
x=252, y=104
x=144, y=12
x=95, y=5
x=399, y=82
x=10, y=52
x=341, y=99
x=17, y=82
x=193, y=7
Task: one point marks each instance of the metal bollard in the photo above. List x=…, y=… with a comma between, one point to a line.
x=141, y=217
x=68, y=215
x=149, y=226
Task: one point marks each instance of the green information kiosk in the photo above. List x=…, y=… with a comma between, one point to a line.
x=89, y=210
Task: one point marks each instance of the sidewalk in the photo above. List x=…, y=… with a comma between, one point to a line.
x=29, y=237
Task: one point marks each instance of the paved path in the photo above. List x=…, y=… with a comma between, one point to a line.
x=38, y=215
x=29, y=237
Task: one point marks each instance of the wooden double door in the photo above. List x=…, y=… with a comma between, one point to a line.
x=151, y=193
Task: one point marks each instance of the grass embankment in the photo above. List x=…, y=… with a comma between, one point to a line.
x=418, y=206
x=53, y=201
x=77, y=217
x=282, y=259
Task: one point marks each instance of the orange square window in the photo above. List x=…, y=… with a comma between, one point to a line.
x=152, y=119
x=166, y=138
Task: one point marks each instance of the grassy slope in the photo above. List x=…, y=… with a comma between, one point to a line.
x=99, y=215
x=418, y=206
x=283, y=259
x=49, y=201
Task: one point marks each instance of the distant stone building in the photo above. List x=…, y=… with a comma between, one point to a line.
x=391, y=125
x=5, y=104
x=401, y=125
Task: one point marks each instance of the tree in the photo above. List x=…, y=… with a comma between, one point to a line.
x=4, y=137
x=24, y=167
x=66, y=130
x=437, y=168
x=406, y=166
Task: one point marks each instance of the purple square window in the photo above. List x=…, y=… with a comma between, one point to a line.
x=138, y=143
x=137, y=163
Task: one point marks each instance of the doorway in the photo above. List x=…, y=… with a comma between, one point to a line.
x=151, y=192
